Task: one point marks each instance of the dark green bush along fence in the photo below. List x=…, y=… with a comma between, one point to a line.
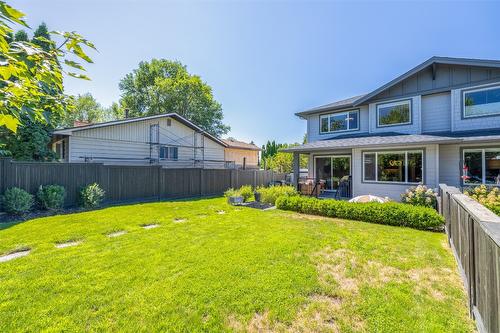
x=128, y=183
x=474, y=236
x=391, y=213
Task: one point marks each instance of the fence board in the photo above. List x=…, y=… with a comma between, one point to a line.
x=128, y=183
x=474, y=235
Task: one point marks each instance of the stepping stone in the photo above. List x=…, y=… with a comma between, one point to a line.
x=14, y=255
x=150, y=226
x=68, y=244
x=117, y=233
x=220, y=212
x=178, y=220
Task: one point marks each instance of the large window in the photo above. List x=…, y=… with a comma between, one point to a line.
x=482, y=102
x=337, y=122
x=396, y=113
x=393, y=166
x=481, y=166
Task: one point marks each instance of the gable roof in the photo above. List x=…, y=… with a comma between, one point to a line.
x=231, y=143
x=359, y=100
x=173, y=115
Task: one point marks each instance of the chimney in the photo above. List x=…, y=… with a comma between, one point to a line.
x=126, y=112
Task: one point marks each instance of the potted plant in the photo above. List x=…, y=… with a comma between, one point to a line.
x=233, y=197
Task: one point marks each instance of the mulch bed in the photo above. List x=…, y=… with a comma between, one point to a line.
x=257, y=205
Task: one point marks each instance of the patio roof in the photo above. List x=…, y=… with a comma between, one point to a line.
x=394, y=139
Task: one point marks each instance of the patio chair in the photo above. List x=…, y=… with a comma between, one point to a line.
x=343, y=188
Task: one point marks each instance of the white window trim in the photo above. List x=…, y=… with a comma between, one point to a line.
x=346, y=113
x=376, y=181
x=169, y=153
x=483, y=163
x=465, y=91
x=409, y=102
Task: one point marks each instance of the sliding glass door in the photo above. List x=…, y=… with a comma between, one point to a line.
x=331, y=169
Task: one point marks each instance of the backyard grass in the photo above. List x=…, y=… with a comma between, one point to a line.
x=208, y=266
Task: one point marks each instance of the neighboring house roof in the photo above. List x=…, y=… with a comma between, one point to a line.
x=179, y=118
x=359, y=100
x=231, y=143
x=396, y=139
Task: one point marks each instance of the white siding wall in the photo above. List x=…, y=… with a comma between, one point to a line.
x=392, y=191
x=459, y=124
x=313, y=133
x=128, y=144
x=436, y=113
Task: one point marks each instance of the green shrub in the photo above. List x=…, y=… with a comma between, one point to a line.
x=270, y=194
x=246, y=192
x=420, y=196
x=51, y=197
x=231, y=193
x=489, y=197
x=390, y=213
x=17, y=201
x=91, y=196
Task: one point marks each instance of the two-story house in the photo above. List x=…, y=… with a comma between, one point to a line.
x=437, y=123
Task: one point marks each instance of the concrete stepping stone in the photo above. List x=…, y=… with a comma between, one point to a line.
x=150, y=226
x=221, y=212
x=117, y=233
x=14, y=255
x=68, y=244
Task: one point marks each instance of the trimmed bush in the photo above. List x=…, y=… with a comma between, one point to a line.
x=17, y=201
x=270, y=194
x=91, y=196
x=246, y=192
x=420, y=196
x=51, y=197
x=390, y=213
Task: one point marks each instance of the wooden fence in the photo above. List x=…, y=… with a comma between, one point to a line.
x=129, y=183
x=474, y=236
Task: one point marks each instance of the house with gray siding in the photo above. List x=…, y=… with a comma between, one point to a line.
x=437, y=123
x=169, y=140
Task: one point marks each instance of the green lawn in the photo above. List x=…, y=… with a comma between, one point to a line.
x=243, y=270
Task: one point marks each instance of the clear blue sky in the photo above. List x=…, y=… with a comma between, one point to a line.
x=266, y=60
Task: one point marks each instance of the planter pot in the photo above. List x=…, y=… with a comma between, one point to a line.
x=256, y=196
x=235, y=200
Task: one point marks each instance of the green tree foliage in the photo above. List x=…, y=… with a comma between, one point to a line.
x=41, y=37
x=162, y=86
x=21, y=36
x=30, y=142
x=85, y=108
x=273, y=159
x=31, y=77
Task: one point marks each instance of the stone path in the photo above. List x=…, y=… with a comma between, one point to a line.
x=14, y=255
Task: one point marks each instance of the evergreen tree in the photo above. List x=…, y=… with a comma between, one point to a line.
x=21, y=36
x=42, y=33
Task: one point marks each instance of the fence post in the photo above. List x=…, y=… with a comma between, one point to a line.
x=254, y=179
x=159, y=181
x=202, y=182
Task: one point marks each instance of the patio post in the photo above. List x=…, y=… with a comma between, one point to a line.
x=296, y=169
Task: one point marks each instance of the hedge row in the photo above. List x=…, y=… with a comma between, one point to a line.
x=390, y=213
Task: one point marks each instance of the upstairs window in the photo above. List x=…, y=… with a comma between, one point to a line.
x=481, y=102
x=392, y=114
x=168, y=153
x=339, y=122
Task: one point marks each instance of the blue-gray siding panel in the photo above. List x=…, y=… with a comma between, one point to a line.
x=436, y=113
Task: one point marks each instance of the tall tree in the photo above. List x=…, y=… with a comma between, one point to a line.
x=162, y=86
x=86, y=109
x=21, y=36
x=41, y=37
